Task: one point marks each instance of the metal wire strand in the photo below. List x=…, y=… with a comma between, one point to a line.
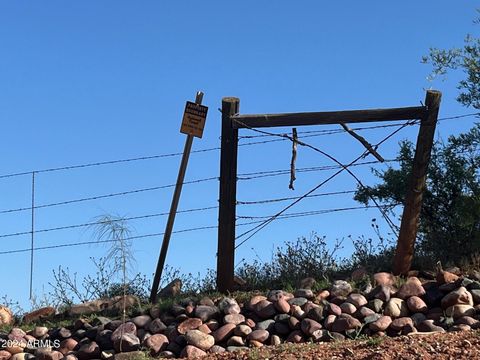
x=262, y=225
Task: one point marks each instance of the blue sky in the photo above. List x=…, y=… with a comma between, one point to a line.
x=92, y=81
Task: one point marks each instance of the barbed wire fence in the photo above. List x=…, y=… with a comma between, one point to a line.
x=254, y=223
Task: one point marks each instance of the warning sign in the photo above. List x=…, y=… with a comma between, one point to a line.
x=194, y=119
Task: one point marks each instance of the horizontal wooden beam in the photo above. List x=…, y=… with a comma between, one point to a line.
x=330, y=117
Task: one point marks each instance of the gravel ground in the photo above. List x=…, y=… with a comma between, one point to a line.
x=458, y=345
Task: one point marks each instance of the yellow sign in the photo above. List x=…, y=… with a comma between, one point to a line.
x=194, y=119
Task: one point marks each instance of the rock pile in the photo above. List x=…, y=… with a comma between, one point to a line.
x=193, y=328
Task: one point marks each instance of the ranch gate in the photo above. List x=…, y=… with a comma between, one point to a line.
x=232, y=121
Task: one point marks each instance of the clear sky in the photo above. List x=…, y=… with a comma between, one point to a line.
x=90, y=81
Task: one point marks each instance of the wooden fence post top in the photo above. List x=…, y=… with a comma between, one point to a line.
x=433, y=92
x=230, y=99
x=432, y=101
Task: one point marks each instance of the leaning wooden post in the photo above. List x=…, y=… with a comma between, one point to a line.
x=228, y=196
x=413, y=200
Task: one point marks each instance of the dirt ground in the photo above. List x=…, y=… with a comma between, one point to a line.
x=457, y=345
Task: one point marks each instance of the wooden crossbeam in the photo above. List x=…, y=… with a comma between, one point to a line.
x=330, y=117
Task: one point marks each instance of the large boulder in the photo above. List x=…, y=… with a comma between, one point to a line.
x=412, y=287
x=458, y=311
x=265, y=309
x=445, y=277
x=357, y=299
x=113, y=305
x=345, y=322
x=381, y=324
x=229, y=306
x=340, y=288
x=224, y=332
x=416, y=305
x=127, y=328
x=126, y=342
x=89, y=351
x=6, y=316
x=39, y=314
x=199, y=339
x=173, y=289
x=384, y=278
x=191, y=351
x=189, y=324
x=396, y=308
x=5, y=355
x=461, y=296
x=206, y=312
x=258, y=335
x=400, y=323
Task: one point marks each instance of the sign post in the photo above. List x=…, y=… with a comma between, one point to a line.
x=192, y=124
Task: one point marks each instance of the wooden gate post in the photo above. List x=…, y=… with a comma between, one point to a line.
x=413, y=200
x=228, y=196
